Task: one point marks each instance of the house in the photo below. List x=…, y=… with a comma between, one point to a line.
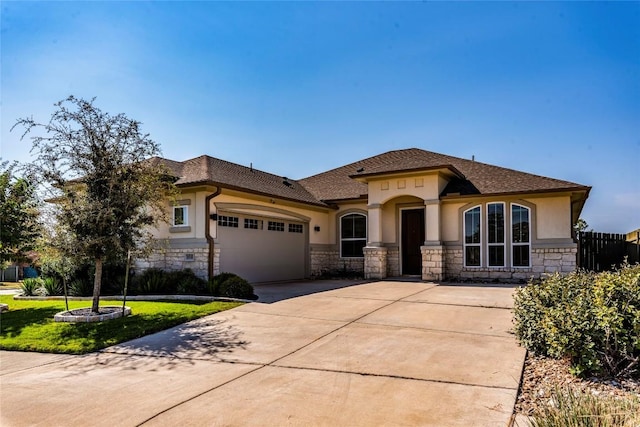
x=405, y=212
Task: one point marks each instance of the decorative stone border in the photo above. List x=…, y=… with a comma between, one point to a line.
x=111, y=312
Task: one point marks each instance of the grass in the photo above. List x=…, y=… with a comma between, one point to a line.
x=575, y=409
x=29, y=325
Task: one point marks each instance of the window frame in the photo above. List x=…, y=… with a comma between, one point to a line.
x=502, y=244
x=275, y=226
x=520, y=244
x=185, y=216
x=352, y=239
x=465, y=245
x=228, y=221
x=294, y=227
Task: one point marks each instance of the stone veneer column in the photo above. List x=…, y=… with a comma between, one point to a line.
x=375, y=262
x=432, y=262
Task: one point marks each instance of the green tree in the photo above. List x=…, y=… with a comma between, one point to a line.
x=107, y=189
x=19, y=227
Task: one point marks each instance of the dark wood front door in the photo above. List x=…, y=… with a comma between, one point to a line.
x=412, y=236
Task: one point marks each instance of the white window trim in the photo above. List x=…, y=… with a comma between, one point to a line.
x=185, y=216
x=514, y=244
x=504, y=235
x=341, y=239
x=464, y=237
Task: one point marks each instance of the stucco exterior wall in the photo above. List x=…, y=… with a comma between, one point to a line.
x=553, y=219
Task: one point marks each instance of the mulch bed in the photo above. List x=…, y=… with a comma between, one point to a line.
x=542, y=375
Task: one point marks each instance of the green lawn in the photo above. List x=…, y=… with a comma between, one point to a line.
x=29, y=325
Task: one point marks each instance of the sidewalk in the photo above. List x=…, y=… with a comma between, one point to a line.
x=383, y=353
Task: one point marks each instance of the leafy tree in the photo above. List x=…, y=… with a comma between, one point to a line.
x=580, y=225
x=107, y=189
x=19, y=227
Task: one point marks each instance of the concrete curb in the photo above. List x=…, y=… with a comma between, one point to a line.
x=136, y=298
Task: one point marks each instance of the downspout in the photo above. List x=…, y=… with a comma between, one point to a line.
x=207, y=230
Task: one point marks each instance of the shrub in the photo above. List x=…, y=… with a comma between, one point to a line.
x=186, y=282
x=51, y=286
x=152, y=281
x=593, y=319
x=80, y=288
x=573, y=409
x=236, y=287
x=215, y=282
x=31, y=286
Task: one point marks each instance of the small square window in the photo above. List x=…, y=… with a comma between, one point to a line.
x=295, y=228
x=275, y=226
x=254, y=224
x=228, y=221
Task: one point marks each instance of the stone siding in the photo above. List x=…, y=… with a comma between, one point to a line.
x=393, y=262
x=175, y=259
x=433, y=262
x=543, y=261
x=328, y=262
x=375, y=262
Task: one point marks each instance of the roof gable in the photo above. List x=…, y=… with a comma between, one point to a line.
x=472, y=177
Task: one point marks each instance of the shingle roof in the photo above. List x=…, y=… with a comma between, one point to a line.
x=471, y=177
x=209, y=170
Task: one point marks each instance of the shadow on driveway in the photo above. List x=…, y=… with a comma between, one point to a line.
x=274, y=292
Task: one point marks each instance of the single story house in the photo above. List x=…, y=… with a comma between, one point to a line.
x=404, y=212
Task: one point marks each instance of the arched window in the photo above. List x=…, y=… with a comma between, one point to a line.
x=353, y=235
x=472, y=237
x=495, y=234
x=520, y=236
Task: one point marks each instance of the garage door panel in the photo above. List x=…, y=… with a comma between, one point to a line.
x=263, y=255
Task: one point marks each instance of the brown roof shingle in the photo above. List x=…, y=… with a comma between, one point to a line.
x=472, y=177
x=209, y=170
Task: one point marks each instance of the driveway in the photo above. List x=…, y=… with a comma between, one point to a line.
x=383, y=353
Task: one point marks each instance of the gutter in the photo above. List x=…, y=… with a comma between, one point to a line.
x=207, y=230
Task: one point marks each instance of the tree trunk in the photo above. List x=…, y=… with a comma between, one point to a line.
x=97, y=283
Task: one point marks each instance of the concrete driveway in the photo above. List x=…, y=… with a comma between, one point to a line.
x=383, y=353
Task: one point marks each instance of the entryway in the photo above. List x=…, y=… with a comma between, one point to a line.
x=412, y=238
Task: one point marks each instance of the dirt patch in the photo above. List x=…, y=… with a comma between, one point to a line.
x=542, y=375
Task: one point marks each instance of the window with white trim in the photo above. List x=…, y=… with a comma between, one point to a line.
x=228, y=221
x=520, y=236
x=495, y=235
x=353, y=235
x=180, y=216
x=472, y=237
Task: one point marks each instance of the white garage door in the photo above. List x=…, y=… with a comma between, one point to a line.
x=262, y=249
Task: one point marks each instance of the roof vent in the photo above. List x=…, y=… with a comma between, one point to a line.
x=286, y=182
x=360, y=170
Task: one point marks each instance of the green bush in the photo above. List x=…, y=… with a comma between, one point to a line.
x=31, y=286
x=236, y=287
x=214, y=283
x=152, y=282
x=52, y=286
x=573, y=409
x=593, y=319
x=80, y=288
x=187, y=283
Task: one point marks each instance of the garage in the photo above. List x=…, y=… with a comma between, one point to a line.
x=262, y=249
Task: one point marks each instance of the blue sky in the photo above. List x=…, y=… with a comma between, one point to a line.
x=297, y=88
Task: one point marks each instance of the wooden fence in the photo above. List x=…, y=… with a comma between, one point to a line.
x=603, y=251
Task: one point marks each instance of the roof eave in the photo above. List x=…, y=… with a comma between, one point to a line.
x=577, y=189
x=363, y=177
x=255, y=192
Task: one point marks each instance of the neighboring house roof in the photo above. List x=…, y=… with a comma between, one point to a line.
x=212, y=171
x=470, y=177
